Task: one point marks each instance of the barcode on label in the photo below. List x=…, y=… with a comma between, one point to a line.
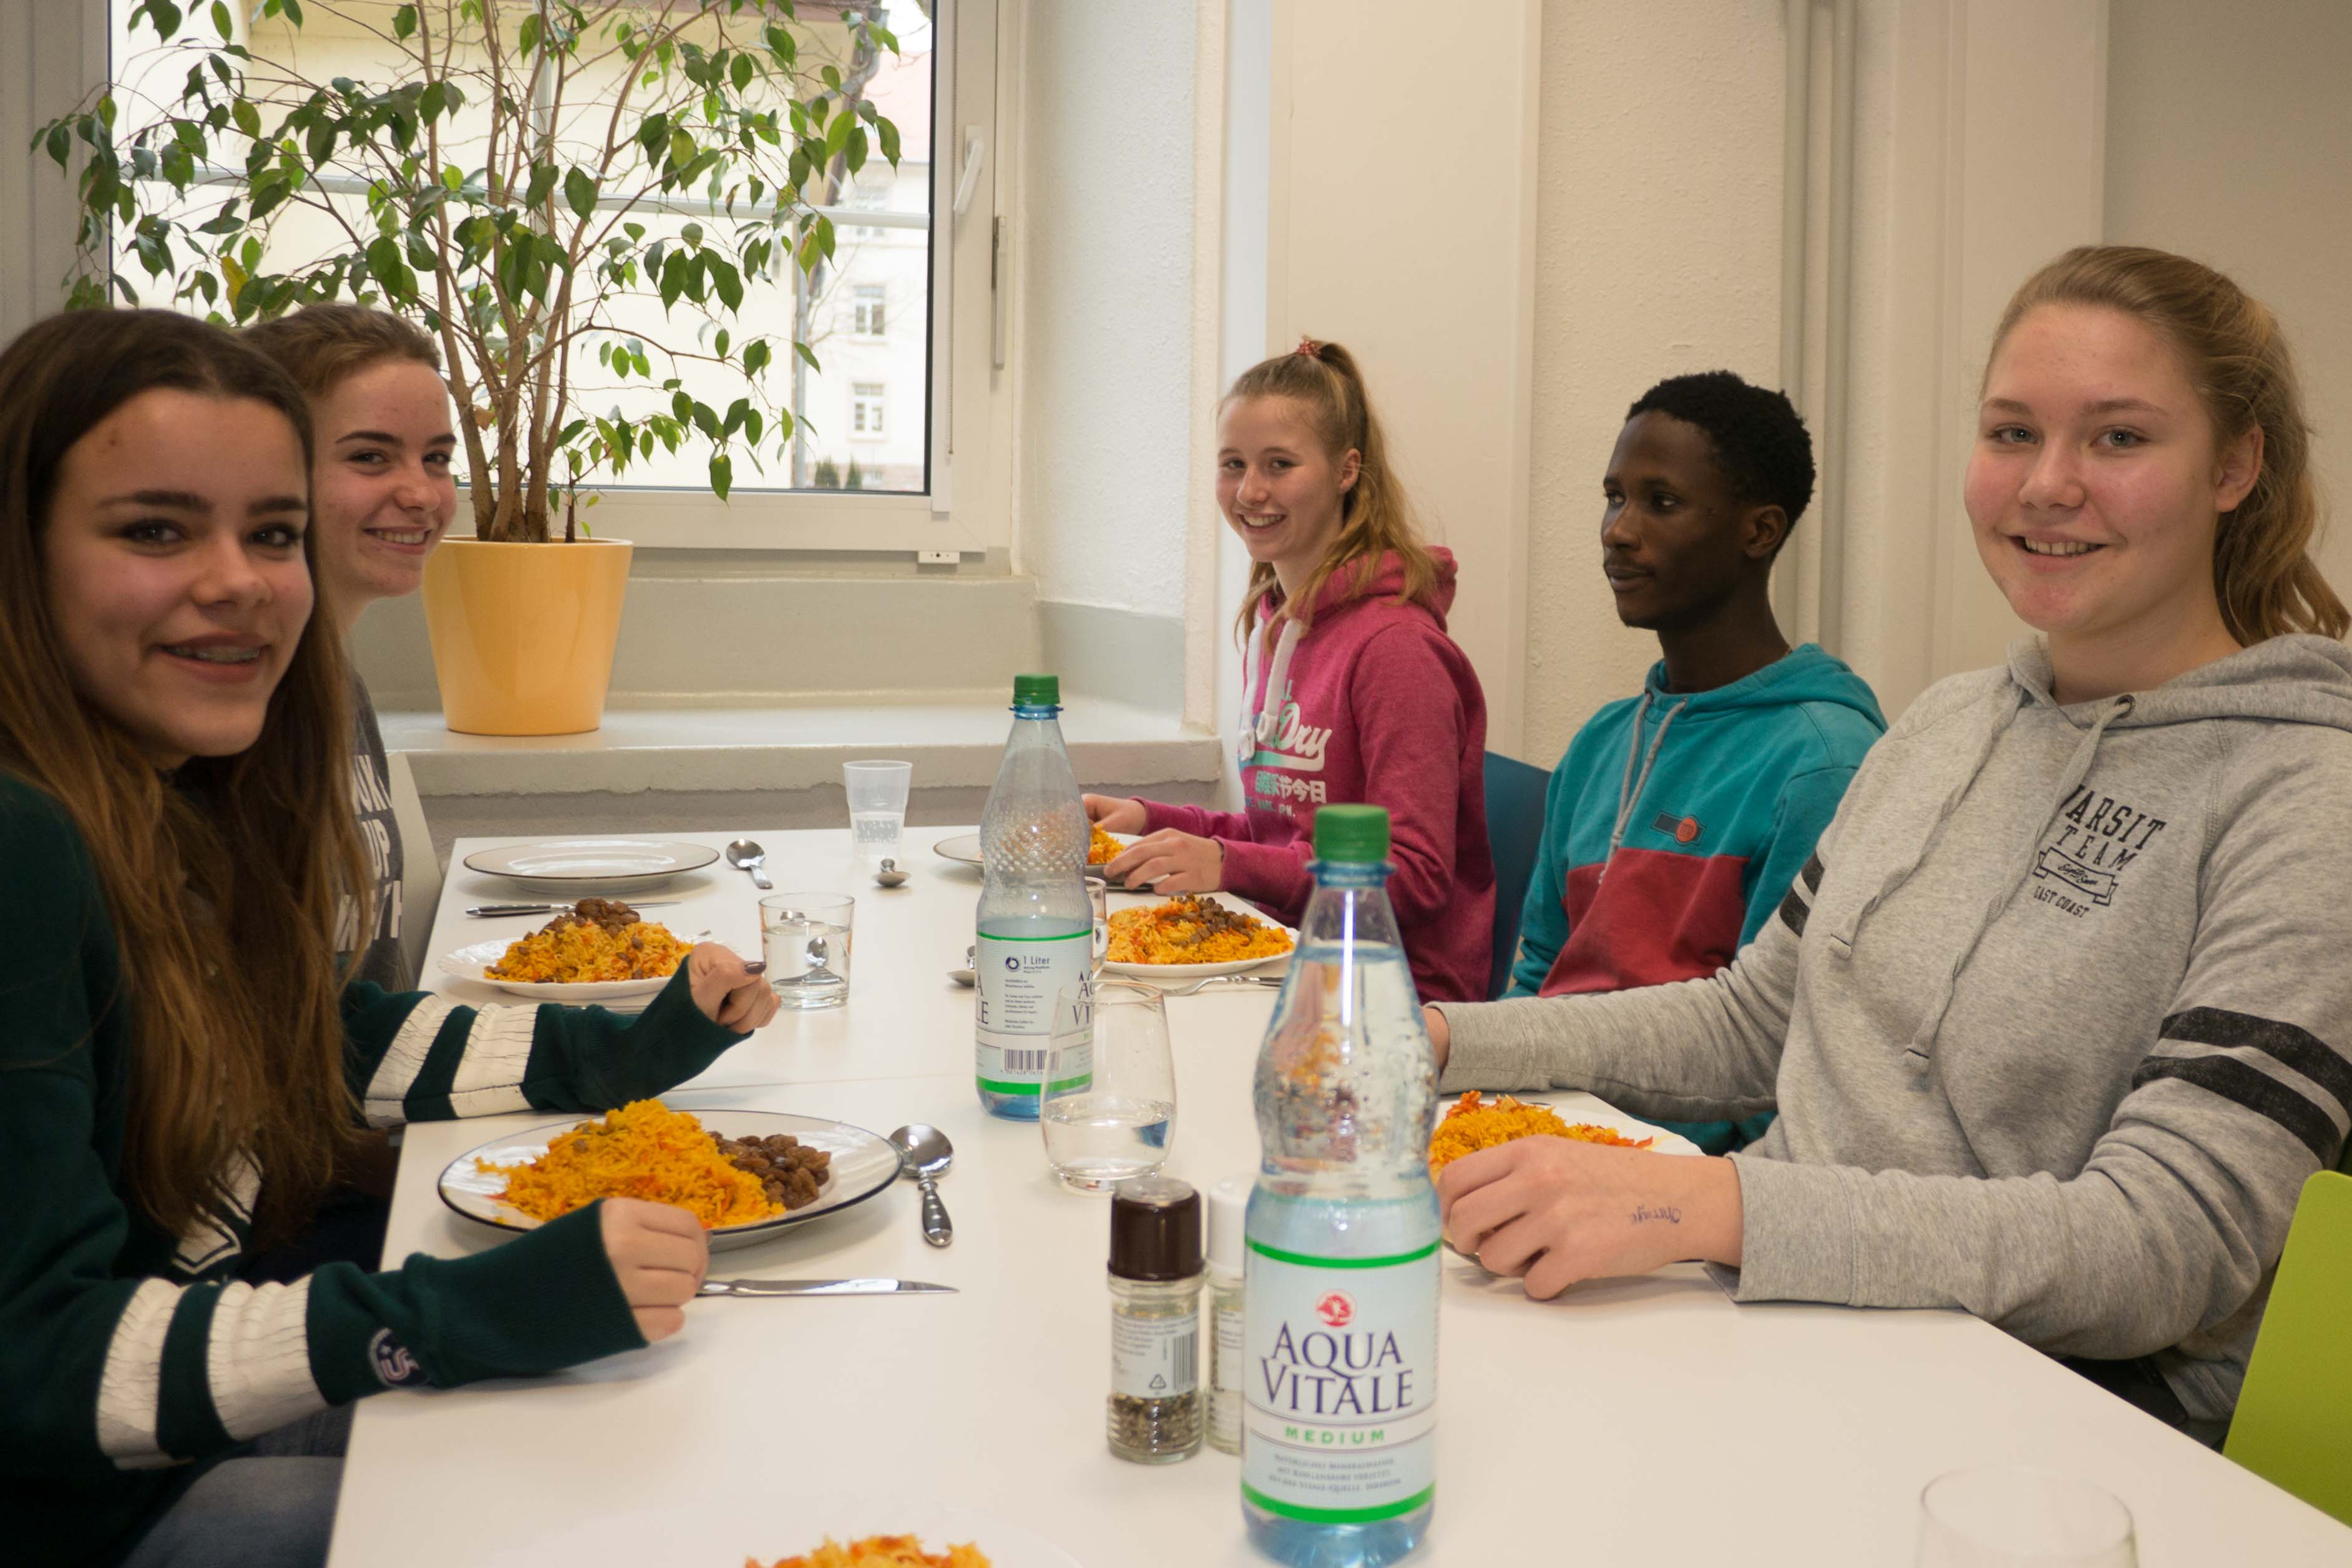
x=1186, y=1374
x=1024, y=1061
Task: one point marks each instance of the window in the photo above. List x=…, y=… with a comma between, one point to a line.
x=866, y=410
x=875, y=312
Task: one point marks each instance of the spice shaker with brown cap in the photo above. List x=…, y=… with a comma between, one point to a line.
x=1155, y=1407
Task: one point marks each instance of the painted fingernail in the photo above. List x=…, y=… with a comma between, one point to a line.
x=756, y=966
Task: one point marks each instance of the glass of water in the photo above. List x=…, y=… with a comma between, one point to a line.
x=805, y=938
x=1109, y=1106
x=878, y=806
x=2012, y=1516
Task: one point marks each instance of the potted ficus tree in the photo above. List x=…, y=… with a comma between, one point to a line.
x=584, y=200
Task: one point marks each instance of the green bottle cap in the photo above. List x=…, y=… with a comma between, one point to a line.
x=1359, y=833
x=1037, y=691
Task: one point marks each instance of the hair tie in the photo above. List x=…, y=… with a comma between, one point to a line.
x=1308, y=346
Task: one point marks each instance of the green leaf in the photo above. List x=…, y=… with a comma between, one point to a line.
x=723, y=475
x=542, y=181
x=530, y=31
x=580, y=192
x=431, y=101
x=836, y=134
x=165, y=17
x=404, y=21
x=832, y=75
x=806, y=352
x=692, y=235
x=674, y=275
x=888, y=131
x=221, y=23
x=249, y=119
x=294, y=12
x=739, y=72
x=755, y=356
x=730, y=282
x=853, y=154
x=719, y=345
x=60, y=142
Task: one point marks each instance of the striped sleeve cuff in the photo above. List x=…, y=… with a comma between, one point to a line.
x=192, y=1369
x=446, y=1061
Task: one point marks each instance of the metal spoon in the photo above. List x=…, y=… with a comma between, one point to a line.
x=889, y=876
x=745, y=855
x=923, y=1152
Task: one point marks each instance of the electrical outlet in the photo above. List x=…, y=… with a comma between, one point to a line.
x=937, y=557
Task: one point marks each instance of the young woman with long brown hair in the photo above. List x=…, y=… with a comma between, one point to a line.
x=1353, y=690
x=2057, y=1019
x=382, y=493
x=179, y=1061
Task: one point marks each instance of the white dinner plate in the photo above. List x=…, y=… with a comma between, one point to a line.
x=473, y=964
x=726, y=1527
x=1171, y=973
x=863, y=1165
x=1599, y=1115
x=573, y=868
x=965, y=847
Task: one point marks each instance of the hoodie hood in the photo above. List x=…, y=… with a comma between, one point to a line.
x=2297, y=679
x=1803, y=674
x=1359, y=582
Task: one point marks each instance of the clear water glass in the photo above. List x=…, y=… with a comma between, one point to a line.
x=2012, y=1516
x=877, y=806
x=805, y=938
x=1109, y=1106
x=1098, y=895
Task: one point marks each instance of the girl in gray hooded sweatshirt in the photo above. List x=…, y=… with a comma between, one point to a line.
x=2057, y=1020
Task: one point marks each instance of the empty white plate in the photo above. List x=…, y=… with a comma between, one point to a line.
x=573, y=868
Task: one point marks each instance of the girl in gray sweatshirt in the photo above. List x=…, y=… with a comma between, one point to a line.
x=2058, y=1018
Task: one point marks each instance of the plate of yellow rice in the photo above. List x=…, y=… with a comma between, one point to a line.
x=1194, y=936
x=579, y=964
x=648, y=1151
x=1473, y=1122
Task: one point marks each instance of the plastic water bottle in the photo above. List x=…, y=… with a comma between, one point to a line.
x=1034, y=928
x=1339, y=1351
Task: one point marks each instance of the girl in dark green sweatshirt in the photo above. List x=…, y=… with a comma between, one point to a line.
x=180, y=1065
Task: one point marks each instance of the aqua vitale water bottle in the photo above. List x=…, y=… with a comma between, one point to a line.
x=1034, y=931
x=1339, y=1351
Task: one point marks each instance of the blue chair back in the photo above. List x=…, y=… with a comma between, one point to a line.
x=1515, y=821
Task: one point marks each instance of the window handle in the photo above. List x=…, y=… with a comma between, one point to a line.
x=974, y=155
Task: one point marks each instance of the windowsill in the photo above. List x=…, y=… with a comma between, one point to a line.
x=953, y=739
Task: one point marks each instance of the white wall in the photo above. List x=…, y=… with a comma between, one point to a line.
x=2230, y=138
x=50, y=50
x=1657, y=251
x=1105, y=310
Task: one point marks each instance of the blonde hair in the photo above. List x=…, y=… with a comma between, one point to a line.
x=2237, y=359
x=320, y=346
x=1375, y=518
x=223, y=883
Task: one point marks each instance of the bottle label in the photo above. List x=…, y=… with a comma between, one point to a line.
x=1226, y=1364
x=1155, y=1358
x=1019, y=976
x=1339, y=1363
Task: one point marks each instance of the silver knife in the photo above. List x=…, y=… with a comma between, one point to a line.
x=496, y=909
x=822, y=1288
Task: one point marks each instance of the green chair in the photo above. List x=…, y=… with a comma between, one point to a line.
x=1515, y=821
x=2294, y=1424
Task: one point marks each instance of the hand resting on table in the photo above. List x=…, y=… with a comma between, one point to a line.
x=1554, y=1211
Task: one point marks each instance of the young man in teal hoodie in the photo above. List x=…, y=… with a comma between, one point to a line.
x=1678, y=818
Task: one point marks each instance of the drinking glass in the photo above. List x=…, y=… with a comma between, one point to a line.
x=805, y=938
x=878, y=806
x=1109, y=1109
x=2010, y=1516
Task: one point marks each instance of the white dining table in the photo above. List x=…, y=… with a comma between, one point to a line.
x=1646, y=1420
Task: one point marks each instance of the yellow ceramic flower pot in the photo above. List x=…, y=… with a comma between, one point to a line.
x=522, y=634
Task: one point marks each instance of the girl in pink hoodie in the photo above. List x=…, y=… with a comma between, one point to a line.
x=1352, y=690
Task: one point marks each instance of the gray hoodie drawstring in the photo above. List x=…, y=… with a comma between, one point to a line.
x=1628, y=792
x=1262, y=726
x=2078, y=766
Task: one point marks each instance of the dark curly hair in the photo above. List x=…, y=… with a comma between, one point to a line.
x=1759, y=441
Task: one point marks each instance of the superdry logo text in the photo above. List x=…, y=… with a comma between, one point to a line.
x=2098, y=837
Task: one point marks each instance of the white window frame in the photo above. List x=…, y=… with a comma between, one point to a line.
x=866, y=410
x=971, y=516
x=863, y=323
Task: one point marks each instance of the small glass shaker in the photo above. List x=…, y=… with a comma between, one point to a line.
x=1155, y=1404
x=1228, y=1216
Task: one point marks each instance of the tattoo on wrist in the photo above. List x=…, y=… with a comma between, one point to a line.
x=1671, y=1213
